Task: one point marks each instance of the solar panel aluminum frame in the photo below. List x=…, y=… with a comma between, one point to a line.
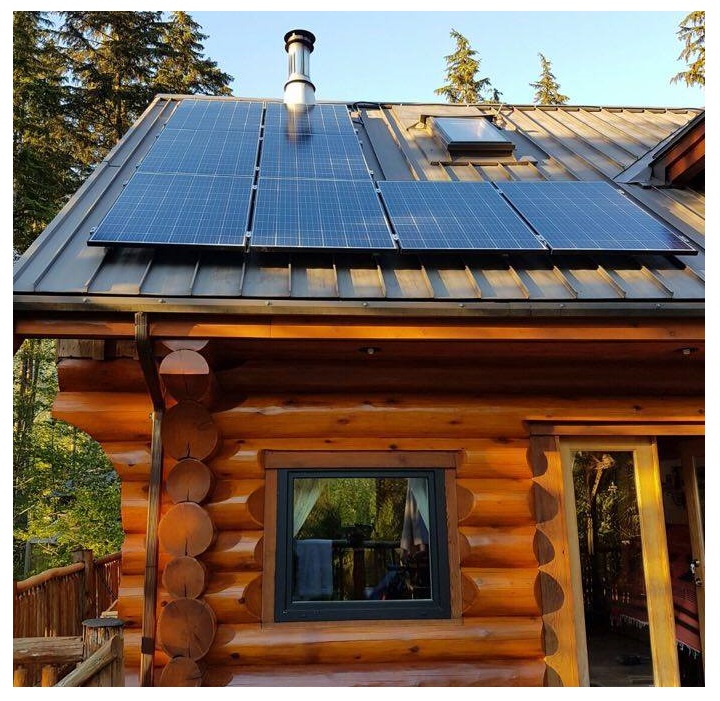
x=93, y=240
x=686, y=249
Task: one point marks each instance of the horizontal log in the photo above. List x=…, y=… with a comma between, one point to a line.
x=234, y=504
x=107, y=416
x=118, y=375
x=365, y=324
x=37, y=580
x=504, y=459
x=235, y=597
x=448, y=416
x=506, y=374
x=234, y=461
x=61, y=650
x=511, y=546
x=495, y=673
x=345, y=643
x=495, y=502
x=232, y=551
x=130, y=460
x=125, y=416
x=499, y=592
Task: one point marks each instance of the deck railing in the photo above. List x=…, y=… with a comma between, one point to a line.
x=55, y=602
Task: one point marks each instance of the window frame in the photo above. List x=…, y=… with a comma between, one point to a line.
x=438, y=607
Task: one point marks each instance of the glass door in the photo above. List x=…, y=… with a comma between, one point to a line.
x=620, y=568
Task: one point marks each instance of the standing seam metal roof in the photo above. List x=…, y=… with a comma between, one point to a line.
x=556, y=143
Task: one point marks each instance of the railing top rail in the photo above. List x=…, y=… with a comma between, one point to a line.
x=101, y=658
x=62, y=650
x=106, y=559
x=54, y=573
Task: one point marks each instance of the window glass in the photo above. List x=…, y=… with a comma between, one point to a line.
x=357, y=544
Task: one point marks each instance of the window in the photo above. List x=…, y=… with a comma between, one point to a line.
x=361, y=544
x=464, y=135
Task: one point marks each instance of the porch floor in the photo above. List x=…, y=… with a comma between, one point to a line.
x=619, y=660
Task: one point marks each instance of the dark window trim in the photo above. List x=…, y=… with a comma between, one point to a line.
x=436, y=608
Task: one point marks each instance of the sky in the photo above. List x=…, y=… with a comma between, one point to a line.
x=599, y=58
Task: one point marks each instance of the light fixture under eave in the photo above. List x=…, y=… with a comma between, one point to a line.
x=370, y=350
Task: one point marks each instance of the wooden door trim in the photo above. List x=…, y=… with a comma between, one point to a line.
x=654, y=546
x=688, y=452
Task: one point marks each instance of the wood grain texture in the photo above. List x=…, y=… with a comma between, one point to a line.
x=189, y=480
x=499, y=592
x=186, y=627
x=492, y=673
x=181, y=671
x=188, y=431
x=491, y=546
x=187, y=375
x=494, y=502
x=186, y=529
x=350, y=643
x=185, y=577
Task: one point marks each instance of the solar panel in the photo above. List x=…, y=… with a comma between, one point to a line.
x=321, y=156
x=455, y=216
x=178, y=209
x=216, y=115
x=203, y=152
x=318, y=214
x=315, y=119
x=590, y=216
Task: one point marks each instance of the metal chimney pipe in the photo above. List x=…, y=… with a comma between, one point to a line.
x=299, y=89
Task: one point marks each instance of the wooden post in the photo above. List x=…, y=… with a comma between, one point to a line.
x=89, y=604
x=97, y=632
x=20, y=676
x=49, y=675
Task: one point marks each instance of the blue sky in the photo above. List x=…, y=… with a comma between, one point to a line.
x=601, y=58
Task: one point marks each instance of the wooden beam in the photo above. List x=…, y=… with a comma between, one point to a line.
x=60, y=650
x=629, y=429
x=373, y=328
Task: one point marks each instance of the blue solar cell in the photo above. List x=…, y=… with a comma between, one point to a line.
x=318, y=214
x=203, y=152
x=455, y=216
x=590, y=216
x=216, y=115
x=321, y=156
x=316, y=119
x=166, y=209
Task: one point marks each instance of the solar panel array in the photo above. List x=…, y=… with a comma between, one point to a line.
x=590, y=216
x=455, y=216
x=179, y=209
x=319, y=214
x=199, y=185
x=194, y=185
x=314, y=189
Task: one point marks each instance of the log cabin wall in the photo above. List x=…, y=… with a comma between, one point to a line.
x=496, y=636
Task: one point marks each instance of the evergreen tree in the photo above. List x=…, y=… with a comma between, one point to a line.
x=113, y=59
x=692, y=33
x=547, y=89
x=462, y=67
x=43, y=158
x=183, y=69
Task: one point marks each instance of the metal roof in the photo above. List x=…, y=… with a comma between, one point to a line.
x=551, y=143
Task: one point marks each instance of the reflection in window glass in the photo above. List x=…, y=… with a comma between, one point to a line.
x=611, y=560
x=361, y=539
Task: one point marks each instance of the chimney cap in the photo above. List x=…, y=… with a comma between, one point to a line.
x=301, y=35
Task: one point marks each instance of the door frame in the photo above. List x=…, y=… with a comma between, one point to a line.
x=689, y=451
x=656, y=565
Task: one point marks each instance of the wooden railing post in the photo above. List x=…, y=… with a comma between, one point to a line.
x=20, y=676
x=97, y=632
x=89, y=605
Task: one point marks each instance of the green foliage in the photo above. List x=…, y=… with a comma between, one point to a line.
x=692, y=34
x=183, y=69
x=547, y=88
x=64, y=486
x=80, y=79
x=462, y=68
x=44, y=173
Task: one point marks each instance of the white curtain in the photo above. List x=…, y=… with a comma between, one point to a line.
x=306, y=492
x=416, y=525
